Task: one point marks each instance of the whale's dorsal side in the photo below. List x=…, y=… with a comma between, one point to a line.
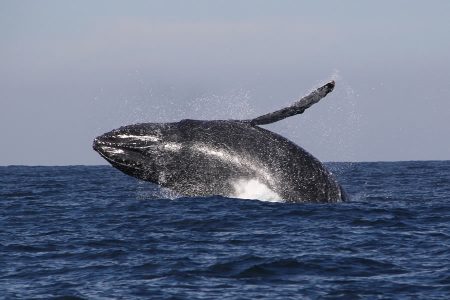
x=297, y=108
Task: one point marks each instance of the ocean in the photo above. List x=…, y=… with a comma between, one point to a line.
x=91, y=232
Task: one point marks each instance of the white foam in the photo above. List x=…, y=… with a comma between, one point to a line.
x=254, y=189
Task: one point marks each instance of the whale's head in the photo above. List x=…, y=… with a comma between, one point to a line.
x=137, y=149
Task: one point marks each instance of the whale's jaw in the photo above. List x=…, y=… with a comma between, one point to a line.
x=131, y=149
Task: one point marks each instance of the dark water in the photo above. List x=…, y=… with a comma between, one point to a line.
x=94, y=233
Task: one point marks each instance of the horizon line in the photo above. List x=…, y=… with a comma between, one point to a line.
x=326, y=162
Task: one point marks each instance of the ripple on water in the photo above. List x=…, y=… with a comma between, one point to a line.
x=87, y=233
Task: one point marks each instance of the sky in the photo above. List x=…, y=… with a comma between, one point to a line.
x=72, y=70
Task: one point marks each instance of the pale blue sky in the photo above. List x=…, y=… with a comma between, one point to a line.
x=71, y=70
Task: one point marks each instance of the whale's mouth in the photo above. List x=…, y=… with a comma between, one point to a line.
x=119, y=154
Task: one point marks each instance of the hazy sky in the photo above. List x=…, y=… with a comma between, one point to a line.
x=71, y=70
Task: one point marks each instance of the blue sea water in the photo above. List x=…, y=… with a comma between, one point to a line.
x=91, y=232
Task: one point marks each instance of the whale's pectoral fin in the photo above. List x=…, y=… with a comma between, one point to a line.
x=297, y=108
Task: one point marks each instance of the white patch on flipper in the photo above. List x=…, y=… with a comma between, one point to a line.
x=254, y=189
x=145, y=138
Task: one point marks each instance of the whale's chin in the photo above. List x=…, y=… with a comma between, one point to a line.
x=128, y=161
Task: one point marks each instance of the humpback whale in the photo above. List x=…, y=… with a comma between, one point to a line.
x=232, y=158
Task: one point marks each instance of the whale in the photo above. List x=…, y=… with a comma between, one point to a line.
x=231, y=158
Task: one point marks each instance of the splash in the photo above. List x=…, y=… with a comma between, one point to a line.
x=333, y=127
x=146, y=191
x=254, y=189
x=231, y=105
